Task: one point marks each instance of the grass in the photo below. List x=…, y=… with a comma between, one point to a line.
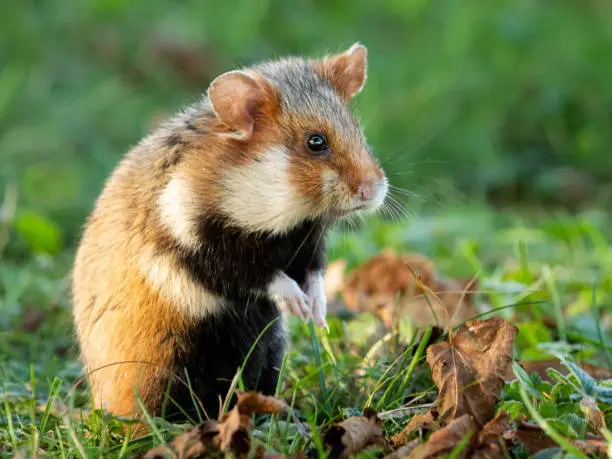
x=514, y=108
x=542, y=267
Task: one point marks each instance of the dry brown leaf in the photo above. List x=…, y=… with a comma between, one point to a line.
x=386, y=286
x=532, y=437
x=262, y=453
x=235, y=427
x=354, y=435
x=595, y=371
x=255, y=402
x=403, y=451
x=419, y=422
x=497, y=427
x=540, y=367
x=594, y=444
x=470, y=372
x=491, y=442
x=198, y=440
x=446, y=439
x=234, y=432
x=495, y=438
x=535, y=439
x=231, y=434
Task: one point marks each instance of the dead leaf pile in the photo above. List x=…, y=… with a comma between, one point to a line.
x=230, y=436
x=469, y=371
x=386, y=286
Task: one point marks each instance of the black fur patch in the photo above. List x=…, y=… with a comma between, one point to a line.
x=217, y=347
x=232, y=263
x=237, y=265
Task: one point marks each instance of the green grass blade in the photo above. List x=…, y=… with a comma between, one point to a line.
x=9, y=421
x=318, y=359
x=156, y=432
x=53, y=392
x=415, y=359
x=556, y=301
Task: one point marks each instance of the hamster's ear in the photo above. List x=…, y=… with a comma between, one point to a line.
x=347, y=71
x=237, y=98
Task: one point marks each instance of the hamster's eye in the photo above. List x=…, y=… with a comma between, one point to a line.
x=317, y=143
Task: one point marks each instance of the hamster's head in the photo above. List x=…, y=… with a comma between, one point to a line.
x=293, y=149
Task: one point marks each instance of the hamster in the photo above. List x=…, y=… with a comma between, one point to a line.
x=213, y=225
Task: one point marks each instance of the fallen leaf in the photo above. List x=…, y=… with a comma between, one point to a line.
x=233, y=433
x=236, y=425
x=419, y=422
x=230, y=435
x=255, y=402
x=596, y=372
x=199, y=440
x=469, y=373
x=262, y=453
x=495, y=439
x=403, y=451
x=535, y=439
x=532, y=437
x=354, y=435
x=385, y=285
x=594, y=444
x=497, y=427
x=446, y=439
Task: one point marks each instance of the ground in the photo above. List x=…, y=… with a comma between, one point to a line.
x=549, y=275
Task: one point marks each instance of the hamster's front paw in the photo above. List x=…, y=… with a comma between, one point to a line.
x=288, y=295
x=315, y=290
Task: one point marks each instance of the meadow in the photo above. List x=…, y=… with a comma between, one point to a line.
x=492, y=121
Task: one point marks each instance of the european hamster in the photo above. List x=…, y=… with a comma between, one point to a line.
x=212, y=225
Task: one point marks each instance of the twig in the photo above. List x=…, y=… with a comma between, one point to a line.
x=404, y=411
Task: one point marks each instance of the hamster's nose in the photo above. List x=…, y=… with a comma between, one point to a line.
x=366, y=191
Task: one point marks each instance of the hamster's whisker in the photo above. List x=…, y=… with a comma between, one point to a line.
x=388, y=210
x=404, y=191
x=400, y=208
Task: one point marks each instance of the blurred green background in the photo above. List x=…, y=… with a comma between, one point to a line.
x=500, y=102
